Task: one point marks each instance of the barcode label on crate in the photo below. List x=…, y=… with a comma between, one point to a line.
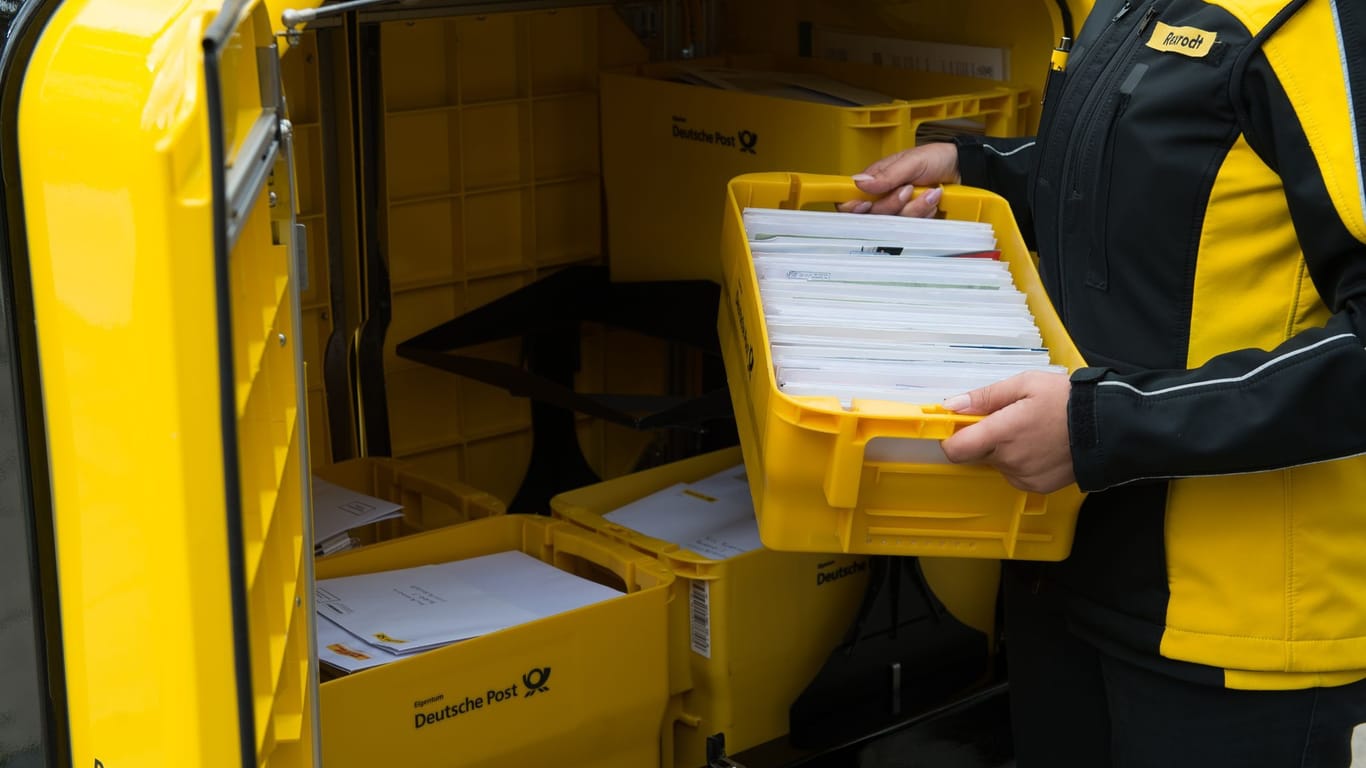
x=701, y=618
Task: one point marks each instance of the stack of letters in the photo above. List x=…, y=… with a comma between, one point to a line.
x=375, y=618
x=888, y=307
x=713, y=517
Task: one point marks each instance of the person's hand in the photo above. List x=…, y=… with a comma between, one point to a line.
x=893, y=178
x=1024, y=434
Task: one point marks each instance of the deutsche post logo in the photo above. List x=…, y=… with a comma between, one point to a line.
x=535, y=681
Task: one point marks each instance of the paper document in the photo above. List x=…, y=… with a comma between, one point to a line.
x=794, y=86
x=337, y=510
x=339, y=543
x=345, y=651
x=916, y=55
x=737, y=538
x=911, y=310
x=728, y=483
x=713, y=517
x=762, y=224
x=415, y=609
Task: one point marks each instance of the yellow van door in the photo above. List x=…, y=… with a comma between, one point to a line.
x=154, y=155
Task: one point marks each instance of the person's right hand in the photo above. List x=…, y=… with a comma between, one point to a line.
x=893, y=178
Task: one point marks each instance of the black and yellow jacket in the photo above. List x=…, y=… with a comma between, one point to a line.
x=1197, y=199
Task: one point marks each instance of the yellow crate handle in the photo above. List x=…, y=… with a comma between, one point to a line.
x=844, y=470
x=457, y=495
x=806, y=189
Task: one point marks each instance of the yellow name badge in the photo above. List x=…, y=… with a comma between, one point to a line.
x=1187, y=41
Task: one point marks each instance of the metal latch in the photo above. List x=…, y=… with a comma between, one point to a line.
x=716, y=753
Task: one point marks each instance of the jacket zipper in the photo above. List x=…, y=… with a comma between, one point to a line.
x=1098, y=264
x=1110, y=77
x=1067, y=184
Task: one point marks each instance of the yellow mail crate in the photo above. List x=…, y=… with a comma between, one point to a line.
x=748, y=632
x=827, y=479
x=599, y=673
x=669, y=148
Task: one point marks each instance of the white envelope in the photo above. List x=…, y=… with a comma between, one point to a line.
x=414, y=609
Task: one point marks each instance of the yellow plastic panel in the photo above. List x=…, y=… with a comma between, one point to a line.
x=568, y=222
x=444, y=462
x=498, y=463
x=414, y=311
x=431, y=173
x=299, y=72
x=815, y=487
x=424, y=236
x=607, y=690
x=565, y=133
x=564, y=52
x=418, y=47
x=492, y=180
x=498, y=231
x=423, y=410
x=495, y=145
x=492, y=57
x=271, y=455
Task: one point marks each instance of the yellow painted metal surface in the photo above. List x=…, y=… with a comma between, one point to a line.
x=117, y=183
x=114, y=153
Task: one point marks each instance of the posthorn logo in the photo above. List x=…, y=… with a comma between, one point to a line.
x=535, y=681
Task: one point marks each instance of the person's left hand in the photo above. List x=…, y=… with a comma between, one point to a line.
x=1024, y=434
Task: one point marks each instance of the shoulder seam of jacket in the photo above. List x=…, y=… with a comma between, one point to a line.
x=1255, y=16
x=1244, y=59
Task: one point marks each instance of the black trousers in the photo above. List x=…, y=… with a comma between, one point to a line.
x=1074, y=706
